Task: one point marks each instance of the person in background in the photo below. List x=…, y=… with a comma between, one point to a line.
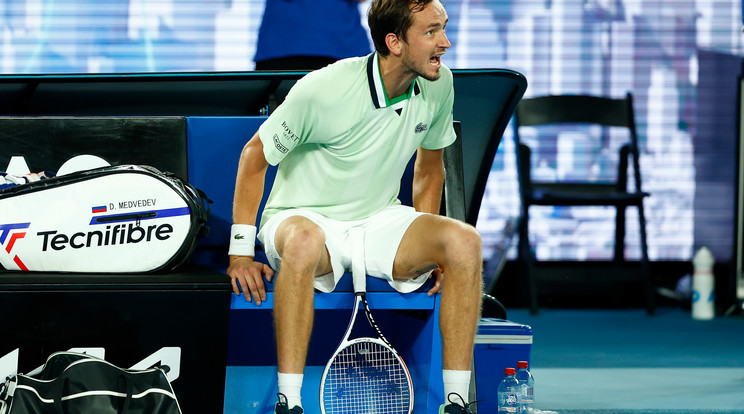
x=342, y=139
x=309, y=34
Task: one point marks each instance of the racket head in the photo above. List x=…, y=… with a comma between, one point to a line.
x=365, y=375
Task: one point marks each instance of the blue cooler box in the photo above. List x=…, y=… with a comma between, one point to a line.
x=499, y=344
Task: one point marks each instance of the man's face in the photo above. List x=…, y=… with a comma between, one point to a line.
x=426, y=41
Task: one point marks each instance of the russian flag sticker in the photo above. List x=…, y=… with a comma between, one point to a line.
x=99, y=209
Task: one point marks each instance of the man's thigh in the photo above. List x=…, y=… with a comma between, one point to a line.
x=423, y=245
x=384, y=232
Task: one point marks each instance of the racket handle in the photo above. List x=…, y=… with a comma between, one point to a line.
x=358, y=269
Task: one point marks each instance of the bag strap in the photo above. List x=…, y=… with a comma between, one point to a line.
x=205, y=210
x=201, y=202
x=59, y=392
x=129, y=385
x=6, y=391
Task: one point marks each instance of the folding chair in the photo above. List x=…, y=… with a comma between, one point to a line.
x=580, y=113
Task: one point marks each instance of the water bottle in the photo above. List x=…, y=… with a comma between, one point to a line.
x=703, y=285
x=509, y=393
x=526, y=387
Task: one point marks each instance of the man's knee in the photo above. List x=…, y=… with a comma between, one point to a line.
x=465, y=242
x=298, y=235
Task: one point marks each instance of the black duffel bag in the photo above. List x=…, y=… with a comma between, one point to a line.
x=73, y=383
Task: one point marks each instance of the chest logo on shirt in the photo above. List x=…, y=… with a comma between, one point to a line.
x=421, y=127
x=279, y=145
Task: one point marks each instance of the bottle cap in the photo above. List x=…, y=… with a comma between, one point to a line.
x=523, y=364
x=703, y=260
x=509, y=371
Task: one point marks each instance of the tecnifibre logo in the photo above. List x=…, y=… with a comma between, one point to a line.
x=9, y=234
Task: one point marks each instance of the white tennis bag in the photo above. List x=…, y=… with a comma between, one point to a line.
x=118, y=219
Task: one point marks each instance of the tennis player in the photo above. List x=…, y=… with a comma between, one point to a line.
x=342, y=139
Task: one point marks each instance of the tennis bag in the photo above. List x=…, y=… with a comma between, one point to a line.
x=72, y=383
x=115, y=219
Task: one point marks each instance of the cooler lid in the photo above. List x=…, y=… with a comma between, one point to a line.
x=500, y=331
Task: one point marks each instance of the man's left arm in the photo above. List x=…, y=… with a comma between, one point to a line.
x=428, y=179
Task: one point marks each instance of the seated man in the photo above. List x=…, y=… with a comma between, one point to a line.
x=342, y=139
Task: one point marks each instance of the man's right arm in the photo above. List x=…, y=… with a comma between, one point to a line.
x=249, y=185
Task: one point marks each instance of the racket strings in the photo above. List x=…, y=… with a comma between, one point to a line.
x=366, y=377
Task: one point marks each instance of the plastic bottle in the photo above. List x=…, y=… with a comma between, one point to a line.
x=703, y=285
x=509, y=393
x=526, y=388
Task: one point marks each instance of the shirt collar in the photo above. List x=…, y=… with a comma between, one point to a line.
x=376, y=88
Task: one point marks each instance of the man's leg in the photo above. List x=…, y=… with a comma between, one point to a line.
x=301, y=245
x=456, y=248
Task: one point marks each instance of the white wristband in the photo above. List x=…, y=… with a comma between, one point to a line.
x=242, y=240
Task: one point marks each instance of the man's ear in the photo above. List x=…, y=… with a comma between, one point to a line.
x=394, y=44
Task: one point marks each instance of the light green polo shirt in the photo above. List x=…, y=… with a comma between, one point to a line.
x=342, y=147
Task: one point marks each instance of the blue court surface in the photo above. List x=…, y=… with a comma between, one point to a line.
x=624, y=361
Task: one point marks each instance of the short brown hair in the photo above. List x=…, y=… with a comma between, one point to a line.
x=391, y=16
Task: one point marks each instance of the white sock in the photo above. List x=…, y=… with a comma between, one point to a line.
x=457, y=382
x=291, y=386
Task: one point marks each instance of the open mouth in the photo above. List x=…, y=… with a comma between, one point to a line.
x=436, y=61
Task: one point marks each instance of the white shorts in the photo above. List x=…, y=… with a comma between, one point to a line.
x=383, y=234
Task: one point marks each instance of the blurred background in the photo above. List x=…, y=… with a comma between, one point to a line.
x=681, y=59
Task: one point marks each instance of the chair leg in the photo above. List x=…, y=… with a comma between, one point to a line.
x=525, y=260
x=619, y=254
x=645, y=266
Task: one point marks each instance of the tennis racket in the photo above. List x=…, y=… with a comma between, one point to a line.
x=365, y=375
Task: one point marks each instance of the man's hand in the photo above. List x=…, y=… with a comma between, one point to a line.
x=438, y=283
x=249, y=275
